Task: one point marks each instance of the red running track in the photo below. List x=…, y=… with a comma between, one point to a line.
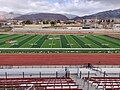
x=59, y=59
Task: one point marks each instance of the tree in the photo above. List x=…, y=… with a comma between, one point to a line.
x=53, y=23
x=45, y=22
x=58, y=21
x=28, y=22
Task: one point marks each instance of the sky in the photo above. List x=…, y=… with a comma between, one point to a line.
x=76, y=7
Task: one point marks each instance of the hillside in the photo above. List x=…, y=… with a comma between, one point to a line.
x=102, y=15
x=8, y=15
x=42, y=16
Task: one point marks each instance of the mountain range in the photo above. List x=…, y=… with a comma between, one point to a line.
x=8, y=15
x=102, y=15
x=70, y=16
x=42, y=16
x=52, y=16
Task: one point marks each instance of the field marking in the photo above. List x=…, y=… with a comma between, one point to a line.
x=13, y=38
x=9, y=37
x=60, y=42
x=92, y=43
x=106, y=43
x=38, y=39
x=99, y=46
x=28, y=41
x=44, y=41
x=32, y=37
x=96, y=41
x=68, y=42
x=52, y=41
x=32, y=42
x=111, y=42
x=84, y=41
x=60, y=48
x=75, y=41
x=94, y=38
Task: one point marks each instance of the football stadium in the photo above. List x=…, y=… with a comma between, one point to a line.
x=56, y=51
x=59, y=61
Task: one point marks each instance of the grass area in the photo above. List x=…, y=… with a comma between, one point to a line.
x=59, y=50
x=58, y=41
x=20, y=43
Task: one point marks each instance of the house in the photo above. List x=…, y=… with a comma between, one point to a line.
x=116, y=26
x=4, y=26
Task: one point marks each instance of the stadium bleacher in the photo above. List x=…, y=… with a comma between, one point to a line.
x=61, y=83
x=106, y=83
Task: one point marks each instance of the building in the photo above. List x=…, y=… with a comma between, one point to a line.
x=4, y=26
x=116, y=26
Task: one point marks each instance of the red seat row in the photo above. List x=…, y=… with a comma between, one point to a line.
x=47, y=83
x=108, y=83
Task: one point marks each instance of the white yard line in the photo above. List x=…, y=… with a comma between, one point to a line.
x=68, y=42
x=76, y=42
x=28, y=41
x=60, y=42
x=52, y=41
x=60, y=48
x=44, y=42
x=83, y=40
x=38, y=39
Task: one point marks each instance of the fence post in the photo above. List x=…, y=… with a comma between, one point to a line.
x=66, y=74
x=23, y=75
x=104, y=78
x=56, y=74
x=104, y=74
x=40, y=74
x=88, y=74
x=77, y=71
x=6, y=75
x=69, y=73
x=88, y=79
x=80, y=74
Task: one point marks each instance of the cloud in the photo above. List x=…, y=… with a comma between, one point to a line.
x=78, y=7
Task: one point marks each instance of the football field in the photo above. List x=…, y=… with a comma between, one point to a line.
x=58, y=42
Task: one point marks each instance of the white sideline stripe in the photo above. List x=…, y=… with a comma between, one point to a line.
x=60, y=48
